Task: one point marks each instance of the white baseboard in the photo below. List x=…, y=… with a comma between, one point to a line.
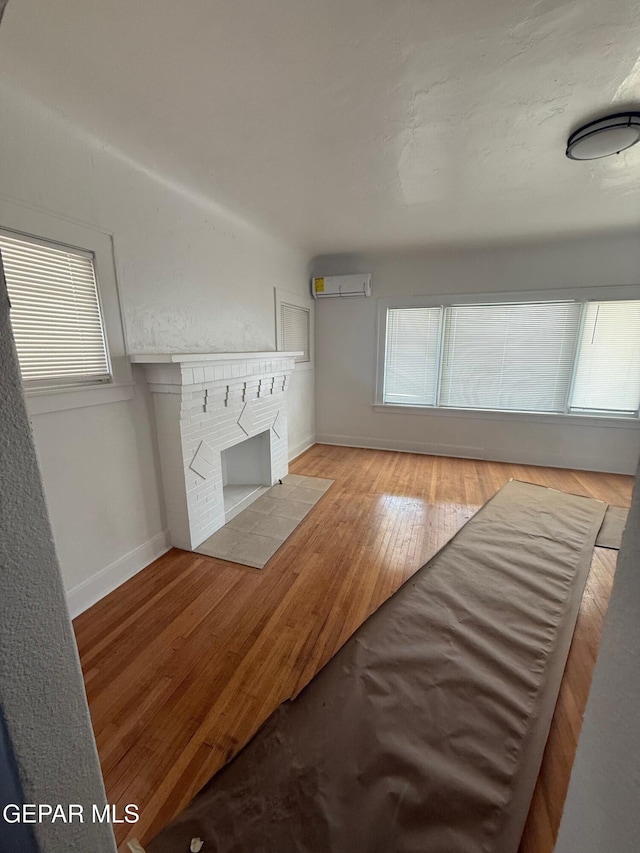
x=82, y=596
x=545, y=459
x=300, y=447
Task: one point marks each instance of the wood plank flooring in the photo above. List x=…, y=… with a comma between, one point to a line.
x=185, y=661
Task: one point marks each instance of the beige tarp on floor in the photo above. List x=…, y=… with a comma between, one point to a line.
x=610, y=534
x=424, y=734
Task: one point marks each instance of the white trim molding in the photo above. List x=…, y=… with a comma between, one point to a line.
x=42, y=402
x=301, y=447
x=630, y=422
x=547, y=458
x=87, y=593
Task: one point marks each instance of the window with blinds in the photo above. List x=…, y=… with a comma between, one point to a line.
x=607, y=376
x=517, y=357
x=559, y=357
x=411, y=356
x=295, y=325
x=55, y=312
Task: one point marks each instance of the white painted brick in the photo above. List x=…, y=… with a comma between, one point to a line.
x=208, y=402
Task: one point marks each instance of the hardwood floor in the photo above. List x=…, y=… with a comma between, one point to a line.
x=185, y=661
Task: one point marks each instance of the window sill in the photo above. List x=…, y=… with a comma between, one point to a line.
x=491, y=415
x=60, y=399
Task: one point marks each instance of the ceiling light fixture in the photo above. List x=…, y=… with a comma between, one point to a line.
x=609, y=135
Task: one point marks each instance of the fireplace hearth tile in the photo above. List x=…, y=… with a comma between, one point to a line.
x=281, y=492
x=256, y=533
x=255, y=550
x=319, y=483
x=246, y=520
x=302, y=494
x=291, y=509
x=265, y=504
x=275, y=527
x=223, y=542
x=296, y=479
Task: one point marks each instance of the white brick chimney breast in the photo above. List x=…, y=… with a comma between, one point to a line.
x=204, y=404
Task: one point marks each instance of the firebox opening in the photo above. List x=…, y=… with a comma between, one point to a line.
x=246, y=472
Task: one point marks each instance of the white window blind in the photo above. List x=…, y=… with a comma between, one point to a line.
x=55, y=312
x=295, y=325
x=411, y=356
x=607, y=375
x=509, y=356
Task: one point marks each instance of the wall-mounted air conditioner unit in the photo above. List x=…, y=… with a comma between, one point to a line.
x=341, y=286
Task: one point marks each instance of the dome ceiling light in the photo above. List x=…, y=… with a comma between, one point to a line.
x=609, y=135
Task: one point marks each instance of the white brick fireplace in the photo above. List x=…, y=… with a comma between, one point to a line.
x=206, y=404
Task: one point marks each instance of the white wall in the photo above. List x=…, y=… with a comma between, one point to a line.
x=346, y=353
x=192, y=277
x=601, y=810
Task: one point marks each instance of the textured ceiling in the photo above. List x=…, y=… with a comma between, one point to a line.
x=349, y=125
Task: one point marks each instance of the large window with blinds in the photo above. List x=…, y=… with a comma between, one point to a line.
x=56, y=316
x=547, y=356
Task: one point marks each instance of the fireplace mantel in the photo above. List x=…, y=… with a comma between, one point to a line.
x=204, y=404
x=207, y=357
